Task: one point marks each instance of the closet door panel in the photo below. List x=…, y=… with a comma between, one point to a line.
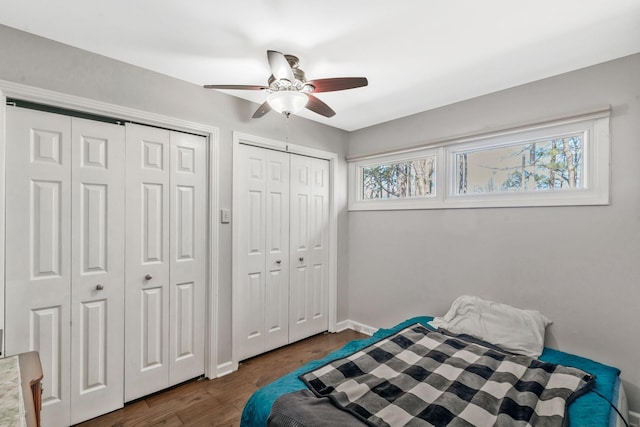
x=188, y=253
x=250, y=339
x=318, y=304
x=97, y=265
x=147, y=285
x=38, y=252
x=276, y=320
x=47, y=337
x=300, y=254
x=263, y=214
x=309, y=247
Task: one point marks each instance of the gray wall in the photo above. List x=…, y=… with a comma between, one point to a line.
x=578, y=265
x=38, y=62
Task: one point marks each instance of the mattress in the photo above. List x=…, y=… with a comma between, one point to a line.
x=620, y=402
x=589, y=409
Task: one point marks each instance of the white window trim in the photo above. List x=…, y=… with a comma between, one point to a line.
x=593, y=126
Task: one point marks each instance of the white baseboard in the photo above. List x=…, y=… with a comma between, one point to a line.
x=634, y=419
x=225, y=369
x=356, y=326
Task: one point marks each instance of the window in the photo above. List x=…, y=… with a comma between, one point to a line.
x=398, y=181
x=553, y=164
x=565, y=162
x=408, y=178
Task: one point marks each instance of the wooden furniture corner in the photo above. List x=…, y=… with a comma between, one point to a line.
x=31, y=376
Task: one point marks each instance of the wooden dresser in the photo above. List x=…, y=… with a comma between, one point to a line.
x=31, y=376
x=20, y=378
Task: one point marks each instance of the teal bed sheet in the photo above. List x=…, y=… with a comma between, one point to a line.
x=589, y=410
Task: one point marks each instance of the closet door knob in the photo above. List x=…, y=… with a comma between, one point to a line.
x=148, y=277
x=99, y=287
x=301, y=258
x=278, y=261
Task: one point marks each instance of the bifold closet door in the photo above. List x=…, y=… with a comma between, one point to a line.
x=166, y=259
x=187, y=253
x=64, y=237
x=97, y=269
x=38, y=250
x=309, y=247
x=263, y=271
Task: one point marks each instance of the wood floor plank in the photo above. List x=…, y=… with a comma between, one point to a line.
x=219, y=402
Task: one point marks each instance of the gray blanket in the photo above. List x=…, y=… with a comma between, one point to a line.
x=303, y=409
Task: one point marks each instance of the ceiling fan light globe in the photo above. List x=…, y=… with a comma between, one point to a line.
x=287, y=101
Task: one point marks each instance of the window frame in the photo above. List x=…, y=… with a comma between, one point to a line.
x=356, y=181
x=593, y=128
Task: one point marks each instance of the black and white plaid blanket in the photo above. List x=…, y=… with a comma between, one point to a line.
x=420, y=377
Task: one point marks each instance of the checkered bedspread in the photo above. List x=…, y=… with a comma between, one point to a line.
x=420, y=377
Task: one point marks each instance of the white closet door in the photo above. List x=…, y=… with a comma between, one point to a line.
x=38, y=275
x=263, y=282
x=276, y=320
x=309, y=247
x=147, y=270
x=97, y=269
x=188, y=251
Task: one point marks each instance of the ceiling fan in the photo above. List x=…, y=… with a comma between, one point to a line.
x=290, y=92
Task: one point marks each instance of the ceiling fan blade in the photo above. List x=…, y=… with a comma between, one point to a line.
x=262, y=110
x=338, y=83
x=280, y=67
x=235, y=87
x=319, y=107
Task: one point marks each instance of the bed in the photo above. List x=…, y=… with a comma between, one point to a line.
x=288, y=396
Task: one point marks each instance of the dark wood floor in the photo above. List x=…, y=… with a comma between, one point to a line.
x=219, y=402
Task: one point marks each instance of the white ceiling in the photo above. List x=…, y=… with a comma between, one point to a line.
x=417, y=54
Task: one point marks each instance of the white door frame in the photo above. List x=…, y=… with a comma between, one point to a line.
x=28, y=93
x=257, y=141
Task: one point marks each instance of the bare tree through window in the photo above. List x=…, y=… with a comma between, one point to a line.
x=411, y=178
x=554, y=164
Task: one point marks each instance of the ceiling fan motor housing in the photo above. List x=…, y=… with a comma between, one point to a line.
x=300, y=82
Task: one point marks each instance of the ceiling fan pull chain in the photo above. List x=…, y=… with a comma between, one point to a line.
x=286, y=130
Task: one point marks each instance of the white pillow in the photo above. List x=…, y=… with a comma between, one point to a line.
x=512, y=329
